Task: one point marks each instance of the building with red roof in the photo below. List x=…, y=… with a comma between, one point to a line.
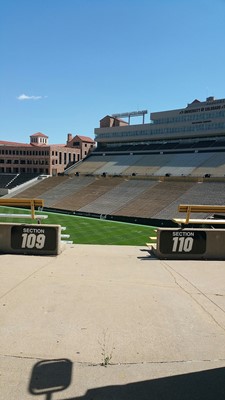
x=40, y=157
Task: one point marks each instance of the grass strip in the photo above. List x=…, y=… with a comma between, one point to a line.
x=84, y=230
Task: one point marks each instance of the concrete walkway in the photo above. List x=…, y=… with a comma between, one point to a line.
x=110, y=322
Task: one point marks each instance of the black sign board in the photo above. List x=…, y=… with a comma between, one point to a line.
x=33, y=238
x=182, y=242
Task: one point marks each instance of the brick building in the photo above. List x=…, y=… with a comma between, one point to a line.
x=41, y=157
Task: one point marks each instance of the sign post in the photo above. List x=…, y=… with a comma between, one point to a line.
x=30, y=239
x=190, y=244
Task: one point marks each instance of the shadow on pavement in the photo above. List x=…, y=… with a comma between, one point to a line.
x=51, y=376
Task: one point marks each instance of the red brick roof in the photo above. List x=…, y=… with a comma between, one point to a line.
x=39, y=134
x=85, y=138
x=115, y=118
x=6, y=143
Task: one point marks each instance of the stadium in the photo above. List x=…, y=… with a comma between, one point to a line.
x=103, y=318
x=144, y=170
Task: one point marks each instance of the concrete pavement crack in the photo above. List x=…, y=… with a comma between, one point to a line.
x=91, y=364
x=170, y=270
x=24, y=280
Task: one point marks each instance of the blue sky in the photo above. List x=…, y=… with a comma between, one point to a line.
x=65, y=64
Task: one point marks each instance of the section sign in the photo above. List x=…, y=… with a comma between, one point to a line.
x=182, y=242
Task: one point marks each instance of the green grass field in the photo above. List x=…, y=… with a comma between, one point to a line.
x=83, y=230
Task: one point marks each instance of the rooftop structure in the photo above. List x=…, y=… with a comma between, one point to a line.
x=204, y=119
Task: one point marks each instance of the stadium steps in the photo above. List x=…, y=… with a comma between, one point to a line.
x=148, y=164
x=41, y=187
x=199, y=193
x=215, y=166
x=154, y=199
x=87, y=194
x=70, y=186
x=5, y=179
x=116, y=198
x=116, y=165
x=182, y=164
x=89, y=166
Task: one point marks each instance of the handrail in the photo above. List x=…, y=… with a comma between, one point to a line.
x=201, y=208
x=15, y=202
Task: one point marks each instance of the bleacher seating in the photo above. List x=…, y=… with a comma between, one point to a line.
x=211, y=192
x=214, y=165
x=154, y=199
x=10, y=181
x=118, y=197
x=162, y=146
x=87, y=193
x=139, y=184
x=43, y=186
x=202, y=144
x=219, y=143
x=5, y=179
x=22, y=178
x=69, y=186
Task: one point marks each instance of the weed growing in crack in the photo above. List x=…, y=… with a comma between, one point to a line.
x=106, y=349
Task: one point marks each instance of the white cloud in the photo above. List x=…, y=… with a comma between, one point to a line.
x=25, y=97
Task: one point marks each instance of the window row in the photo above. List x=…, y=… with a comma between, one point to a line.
x=24, y=152
x=40, y=162
x=192, y=117
x=24, y=170
x=157, y=131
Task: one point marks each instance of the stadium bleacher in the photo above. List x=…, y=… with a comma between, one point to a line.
x=145, y=181
x=5, y=179
x=10, y=181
